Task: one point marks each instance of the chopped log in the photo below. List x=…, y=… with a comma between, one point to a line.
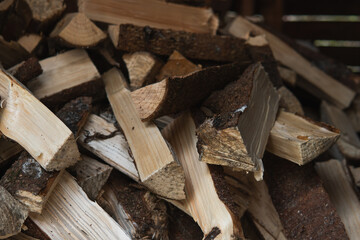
x=142, y=68
x=299, y=197
x=355, y=173
x=106, y=141
x=341, y=194
x=316, y=82
x=29, y=183
x=177, y=65
x=287, y=75
x=349, y=142
x=41, y=133
x=175, y=94
x=289, y=102
x=353, y=113
x=132, y=38
x=26, y=70
x=82, y=218
x=30, y=42
x=76, y=30
x=8, y=149
x=157, y=167
x=12, y=214
x=227, y=138
x=66, y=76
x=141, y=13
x=11, y=53
x=91, y=175
x=299, y=139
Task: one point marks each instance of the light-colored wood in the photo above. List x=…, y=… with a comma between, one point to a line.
x=341, y=194
x=289, y=102
x=287, y=75
x=43, y=11
x=142, y=68
x=69, y=213
x=298, y=139
x=316, y=81
x=151, y=13
x=76, y=30
x=157, y=167
x=11, y=53
x=30, y=42
x=353, y=113
x=27, y=121
x=202, y=201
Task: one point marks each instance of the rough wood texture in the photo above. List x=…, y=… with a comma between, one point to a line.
x=245, y=112
x=106, y=141
x=26, y=70
x=11, y=53
x=353, y=113
x=28, y=122
x=289, y=102
x=151, y=13
x=341, y=194
x=76, y=30
x=192, y=45
x=177, y=65
x=12, y=214
x=82, y=218
x=216, y=217
x=66, y=76
x=29, y=183
x=157, y=167
x=175, y=94
x=300, y=139
x=30, y=42
x=317, y=82
x=142, y=68
x=287, y=75
x=303, y=205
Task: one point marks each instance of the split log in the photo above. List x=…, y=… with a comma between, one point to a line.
x=353, y=113
x=289, y=102
x=142, y=68
x=66, y=76
x=177, y=65
x=132, y=38
x=175, y=94
x=141, y=12
x=8, y=149
x=11, y=53
x=245, y=112
x=299, y=139
x=287, y=75
x=30, y=42
x=341, y=194
x=82, y=218
x=41, y=133
x=76, y=30
x=316, y=82
x=12, y=214
x=26, y=70
x=157, y=167
x=106, y=141
x=29, y=183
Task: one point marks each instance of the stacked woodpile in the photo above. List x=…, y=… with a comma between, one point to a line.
x=144, y=119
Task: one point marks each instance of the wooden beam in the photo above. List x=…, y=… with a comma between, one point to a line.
x=316, y=82
x=289, y=102
x=11, y=53
x=26, y=70
x=141, y=12
x=155, y=163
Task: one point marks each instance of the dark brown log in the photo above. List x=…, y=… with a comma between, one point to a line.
x=11, y=53
x=26, y=70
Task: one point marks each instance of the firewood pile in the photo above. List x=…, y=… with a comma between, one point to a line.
x=144, y=119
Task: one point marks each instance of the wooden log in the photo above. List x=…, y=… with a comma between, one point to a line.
x=157, y=167
x=141, y=12
x=106, y=141
x=289, y=102
x=287, y=75
x=83, y=219
x=316, y=82
x=66, y=76
x=11, y=53
x=29, y=183
x=177, y=65
x=175, y=94
x=30, y=42
x=341, y=194
x=226, y=138
x=76, y=30
x=26, y=70
x=299, y=139
x=142, y=68
x=353, y=113
x=52, y=144
x=132, y=38
x=8, y=149
x=12, y=214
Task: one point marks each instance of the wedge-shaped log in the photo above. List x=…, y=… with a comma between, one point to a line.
x=76, y=30
x=300, y=139
x=175, y=94
x=132, y=38
x=66, y=76
x=316, y=82
x=245, y=112
x=82, y=218
x=26, y=70
x=157, y=167
x=141, y=13
x=28, y=122
x=31, y=42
